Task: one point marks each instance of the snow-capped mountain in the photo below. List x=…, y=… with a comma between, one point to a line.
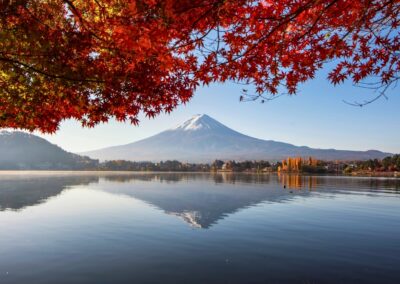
x=200, y=122
x=203, y=139
x=24, y=151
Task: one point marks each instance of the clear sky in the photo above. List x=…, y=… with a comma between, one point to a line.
x=316, y=117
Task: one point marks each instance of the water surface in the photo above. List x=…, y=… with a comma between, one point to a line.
x=198, y=228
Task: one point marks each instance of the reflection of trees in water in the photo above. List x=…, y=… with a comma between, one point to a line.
x=384, y=183
x=156, y=177
x=180, y=177
x=16, y=193
x=362, y=183
x=297, y=181
x=241, y=178
x=291, y=181
x=19, y=192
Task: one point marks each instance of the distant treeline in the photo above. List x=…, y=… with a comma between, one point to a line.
x=52, y=161
x=217, y=165
x=75, y=162
x=388, y=164
x=122, y=165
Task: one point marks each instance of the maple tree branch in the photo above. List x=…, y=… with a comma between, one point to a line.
x=49, y=75
x=382, y=93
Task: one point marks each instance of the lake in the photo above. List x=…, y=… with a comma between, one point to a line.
x=198, y=228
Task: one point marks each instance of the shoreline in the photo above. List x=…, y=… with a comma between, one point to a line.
x=106, y=172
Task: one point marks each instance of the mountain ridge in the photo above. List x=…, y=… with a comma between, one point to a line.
x=204, y=139
x=24, y=151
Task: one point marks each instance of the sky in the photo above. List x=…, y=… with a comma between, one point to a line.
x=316, y=117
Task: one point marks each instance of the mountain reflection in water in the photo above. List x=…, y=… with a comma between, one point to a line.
x=18, y=192
x=188, y=196
x=102, y=227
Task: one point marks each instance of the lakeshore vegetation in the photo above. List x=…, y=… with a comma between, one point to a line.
x=388, y=166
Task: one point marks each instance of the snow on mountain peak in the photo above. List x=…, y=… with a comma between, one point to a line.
x=197, y=122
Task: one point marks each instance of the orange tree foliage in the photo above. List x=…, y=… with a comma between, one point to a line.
x=94, y=59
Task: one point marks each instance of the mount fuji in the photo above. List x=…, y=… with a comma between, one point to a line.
x=203, y=139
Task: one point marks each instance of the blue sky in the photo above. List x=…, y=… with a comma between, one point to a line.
x=316, y=117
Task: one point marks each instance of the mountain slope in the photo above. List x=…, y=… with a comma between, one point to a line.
x=24, y=151
x=203, y=139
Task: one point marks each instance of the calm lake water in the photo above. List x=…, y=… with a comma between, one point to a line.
x=198, y=228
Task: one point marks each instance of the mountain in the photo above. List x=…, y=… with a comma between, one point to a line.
x=24, y=151
x=203, y=139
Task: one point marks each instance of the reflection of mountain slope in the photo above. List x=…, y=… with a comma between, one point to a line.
x=201, y=203
x=203, y=199
x=19, y=192
x=198, y=199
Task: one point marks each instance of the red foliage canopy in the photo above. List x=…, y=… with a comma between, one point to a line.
x=95, y=59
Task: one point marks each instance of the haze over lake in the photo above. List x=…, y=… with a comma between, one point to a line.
x=197, y=228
